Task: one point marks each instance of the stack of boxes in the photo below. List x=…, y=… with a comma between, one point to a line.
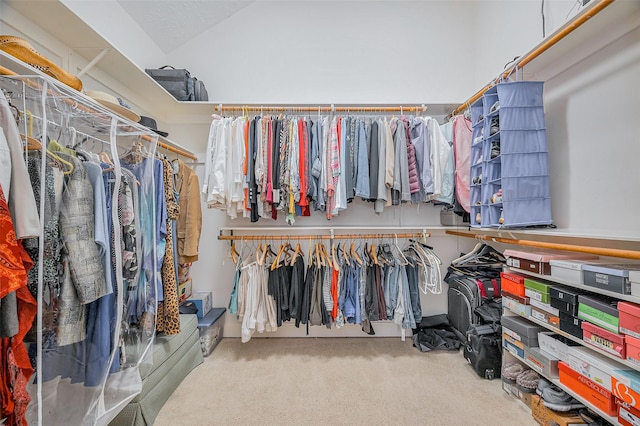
x=539, y=293
x=606, y=325
x=210, y=320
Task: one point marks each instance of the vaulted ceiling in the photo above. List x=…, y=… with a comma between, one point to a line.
x=172, y=23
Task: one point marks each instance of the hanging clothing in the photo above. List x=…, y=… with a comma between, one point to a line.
x=168, y=318
x=18, y=193
x=462, y=137
x=15, y=366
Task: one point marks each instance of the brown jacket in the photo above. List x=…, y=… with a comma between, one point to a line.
x=190, y=220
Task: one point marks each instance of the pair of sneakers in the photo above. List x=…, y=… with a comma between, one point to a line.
x=555, y=398
x=524, y=378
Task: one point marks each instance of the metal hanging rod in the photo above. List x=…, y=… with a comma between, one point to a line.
x=601, y=251
x=521, y=62
x=280, y=237
x=320, y=108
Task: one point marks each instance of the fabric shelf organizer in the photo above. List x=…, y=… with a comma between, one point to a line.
x=515, y=164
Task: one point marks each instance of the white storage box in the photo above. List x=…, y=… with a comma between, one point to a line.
x=592, y=365
x=555, y=344
x=568, y=270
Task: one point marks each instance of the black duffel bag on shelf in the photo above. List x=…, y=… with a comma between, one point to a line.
x=179, y=83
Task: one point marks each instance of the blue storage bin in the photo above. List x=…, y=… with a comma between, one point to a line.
x=534, y=211
x=516, y=188
x=523, y=141
x=520, y=93
x=489, y=98
x=474, y=195
x=493, y=172
x=476, y=112
x=521, y=118
x=530, y=164
x=474, y=213
x=495, y=211
x=486, y=218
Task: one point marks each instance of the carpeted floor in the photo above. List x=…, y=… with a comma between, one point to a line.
x=337, y=381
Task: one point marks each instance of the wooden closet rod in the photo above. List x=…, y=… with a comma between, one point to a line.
x=281, y=237
x=319, y=108
x=536, y=52
x=171, y=148
x=601, y=251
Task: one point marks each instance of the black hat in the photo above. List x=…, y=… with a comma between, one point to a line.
x=151, y=123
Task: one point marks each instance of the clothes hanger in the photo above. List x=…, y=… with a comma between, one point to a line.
x=34, y=144
x=295, y=254
x=234, y=254
x=354, y=254
x=334, y=258
x=374, y=256
x=403, y=260
x=259, y=253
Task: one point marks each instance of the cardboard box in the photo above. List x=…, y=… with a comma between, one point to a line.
x=629, y=318
x=627, y=415
x=626, y=386
x=536, y=295
x=538, y=261
x=211, y=328
x=599, y=310
x=517, y=307
x=521, y=329
x=595, y=394
x=545, y=307
x=567, y=270
x=184, y=291
x=592, y=365
x=566, y=294
x=512, y=283
x=544, y=316
x=605, y=340
x=555, y=344
x=203, y=301
x=513, y=390
x=632, y=347
x=538, y=285
x=541, y=362
x=611, y=277
x=520, y=299
x=515, y=347
x=547, y=417
x=570, y=324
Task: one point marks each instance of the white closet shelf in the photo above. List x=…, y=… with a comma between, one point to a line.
x=26, y=70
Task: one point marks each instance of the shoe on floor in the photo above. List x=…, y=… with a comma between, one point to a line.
x=527, y=381
x=510, y=371
x=558, y=400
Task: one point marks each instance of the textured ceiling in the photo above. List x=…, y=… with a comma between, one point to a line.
x=172, y=23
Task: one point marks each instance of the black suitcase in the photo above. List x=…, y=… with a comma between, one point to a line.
x=483, y=350
x=465, y=294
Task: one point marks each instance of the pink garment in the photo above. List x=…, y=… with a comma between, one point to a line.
x=462, y=136
x=414, y=180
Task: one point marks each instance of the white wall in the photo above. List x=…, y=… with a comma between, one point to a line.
x=336, y=52
x=593, y=130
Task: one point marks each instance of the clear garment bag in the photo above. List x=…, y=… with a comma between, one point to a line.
x=97, y=260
